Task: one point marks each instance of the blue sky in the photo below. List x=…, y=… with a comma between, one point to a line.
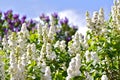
x=33, y=8
x=73, y=9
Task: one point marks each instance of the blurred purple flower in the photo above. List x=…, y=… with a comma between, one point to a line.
x=8, y=14
x=0, y=12
x=47, y=19
x=16, y=22
x=17, y=29
x=42, y=16
x=61, y=21
x=82, y=37
x=68, y=38
x=31, y=21
x=9, y=22
x=16, y=16
x=66, y=20
x=9, y=11
x=0, y=38
x=24, y=17
x=75, y=27
x=11, y=27
x=55, y=15
x=5, y=30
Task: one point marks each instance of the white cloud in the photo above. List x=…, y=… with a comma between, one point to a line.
x=75, y=19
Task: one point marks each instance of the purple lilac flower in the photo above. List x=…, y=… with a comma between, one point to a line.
x=16, y=16
x=8, y=14
x=5, y=30
x=61, y=21
x=5, y=16
x=9, y=11
x=24, y=17
x=17, y=29
x=0, y=38
x=42, y=16
x=31, y=21
x=0, y=13
x=82, y=37
x=68, y=38
x=47, y=19
x=75, y=27
x=9, y=21
x=16, y=22
x=55, y=15
x=66, y=20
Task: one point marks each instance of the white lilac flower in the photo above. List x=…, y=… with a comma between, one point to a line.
x=12, y=42
x=88, y=56
x=21, y=71
x=91, y=56
x=43, y=51
x=62, y=46
x=88, y=19
x=43, y=66
x=44, y=33
x=88, y=77
x=2, y=70
x=47, y=75
x=49, y=53
x=57, y=44
x=74, y=66
x=104, y=77
x=115, y=2
x=78, y=61
x=101, y=16
x=74, y=48
x=94, y=57
x=13, y=69
x=25, y=31
x=39, y=30
x=33, y=47
x=95, y=17
x=51, y=33
x=21, y=40
x=4, y=43
x=29, y=51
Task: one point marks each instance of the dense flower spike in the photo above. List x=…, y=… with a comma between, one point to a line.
x=74, y=66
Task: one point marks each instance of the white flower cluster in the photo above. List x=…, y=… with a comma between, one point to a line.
x=115, y=12
x=104, y=77
x=49, y=53
x=46, y=70
x=47, y=75
x=92, y=56
x=2, y=71
x=61, y=45
x=88, y=76
x=19, y=58
x=74, y=47
x=5, y=43
x=97, y=20
x=74, y=66
x=46, y=34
